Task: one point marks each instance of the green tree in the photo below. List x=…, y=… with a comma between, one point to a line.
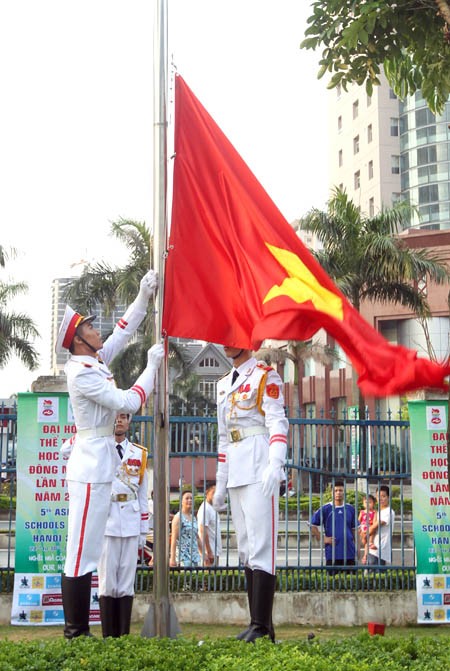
x=17, y=330
x=409, y=39
x=367, y=259
x=111, y=285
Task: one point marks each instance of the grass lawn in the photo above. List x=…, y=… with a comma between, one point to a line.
x=213, y=631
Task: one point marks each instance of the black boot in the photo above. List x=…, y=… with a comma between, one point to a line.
x=262, y=604
x=249, y=580
x=109, y=614
x=76, y=596
x=125, y=608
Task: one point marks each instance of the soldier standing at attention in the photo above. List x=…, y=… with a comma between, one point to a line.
x=126, y=531
x=252, y=446
x=91, y=466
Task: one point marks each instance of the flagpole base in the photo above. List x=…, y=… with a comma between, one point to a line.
x=161, y=620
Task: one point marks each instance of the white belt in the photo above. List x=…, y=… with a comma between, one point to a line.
x=235, y=435
x=98, y=432
x=123, y=497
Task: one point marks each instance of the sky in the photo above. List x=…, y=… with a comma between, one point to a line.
x=76, y=124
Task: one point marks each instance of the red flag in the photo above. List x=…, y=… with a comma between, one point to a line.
x=237, y=273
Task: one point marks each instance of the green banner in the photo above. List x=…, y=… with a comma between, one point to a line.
x=431, y=511
x=44, y=422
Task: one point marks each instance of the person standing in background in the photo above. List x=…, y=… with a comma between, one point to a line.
x=338, y=521
x=126, y=530
x=184, y=542
x=208, y=521
x=382, y=530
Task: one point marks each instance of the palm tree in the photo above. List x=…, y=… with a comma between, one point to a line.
x=16, y=329
x=367, y=259
x=109, y=285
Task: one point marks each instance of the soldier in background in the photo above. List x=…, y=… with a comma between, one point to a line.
x=126, y=530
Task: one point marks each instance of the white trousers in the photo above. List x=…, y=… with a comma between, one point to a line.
x=255, y=519
x=89, y=505
x=117, y=566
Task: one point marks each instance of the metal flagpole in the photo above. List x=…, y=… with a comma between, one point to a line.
x=161, y=618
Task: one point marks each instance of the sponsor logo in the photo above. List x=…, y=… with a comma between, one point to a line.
x=432, y=599
x=54, y=615
x=52, y=581
x=29, y=599
x=52, y=599
x=36, y=616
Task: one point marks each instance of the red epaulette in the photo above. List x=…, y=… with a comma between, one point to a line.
x=87, y=365
x=263, y=366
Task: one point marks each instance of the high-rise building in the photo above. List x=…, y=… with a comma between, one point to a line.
x=364, y=146
x=425, y=162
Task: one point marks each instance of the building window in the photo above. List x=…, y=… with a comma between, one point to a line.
x=356, y=145
x=371, y=207
x=428, y=194
x=369, y=101
x=394, y=126
x=369, y=133
x=207, y=388
x=341, y=186
x=370, y=169
x=339, y=124
x=395, y=165
x=340, y=158
x=395, y=197
x=208, y=362
x=357, y=179
x=338, y=91
x=355, y=109
x=392, y=95
x=426, y=155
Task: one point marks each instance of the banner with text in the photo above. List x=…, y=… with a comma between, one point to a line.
x=431, y=513
x=44, y=421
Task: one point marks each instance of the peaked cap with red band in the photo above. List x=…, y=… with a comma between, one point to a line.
x=70, y=322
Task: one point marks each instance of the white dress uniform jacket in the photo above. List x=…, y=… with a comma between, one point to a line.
x=251, y=421
x=252, y=432
x=128, y=514
x=95, y=402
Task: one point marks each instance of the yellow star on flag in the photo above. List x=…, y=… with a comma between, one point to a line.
x=302, y=286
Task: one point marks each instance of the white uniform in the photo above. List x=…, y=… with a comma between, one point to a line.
x=252, y=422
x=95, y=402
x=128, y=519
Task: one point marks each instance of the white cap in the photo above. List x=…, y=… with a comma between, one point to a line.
x=70, y=322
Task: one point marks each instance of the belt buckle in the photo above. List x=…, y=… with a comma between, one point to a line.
x=121, y=497
x=235, y=435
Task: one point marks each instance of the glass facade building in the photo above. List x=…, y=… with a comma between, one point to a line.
x=425, y=162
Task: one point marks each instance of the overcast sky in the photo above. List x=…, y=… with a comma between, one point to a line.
x=76, y=123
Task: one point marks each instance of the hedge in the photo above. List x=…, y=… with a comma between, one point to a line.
x=134, y=653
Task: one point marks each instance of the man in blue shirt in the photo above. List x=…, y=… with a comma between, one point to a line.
x=338, y=521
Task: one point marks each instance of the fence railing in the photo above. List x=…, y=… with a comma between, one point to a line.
x=364, y=454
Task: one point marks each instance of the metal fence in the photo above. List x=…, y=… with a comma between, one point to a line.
x=364, y=454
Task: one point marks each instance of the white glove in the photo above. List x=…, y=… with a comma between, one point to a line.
x=148, y=285
x=155, y=355
x=218, y=501
x=271, y=478
x=142, y=539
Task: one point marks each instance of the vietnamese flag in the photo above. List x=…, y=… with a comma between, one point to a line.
x=237, y=273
